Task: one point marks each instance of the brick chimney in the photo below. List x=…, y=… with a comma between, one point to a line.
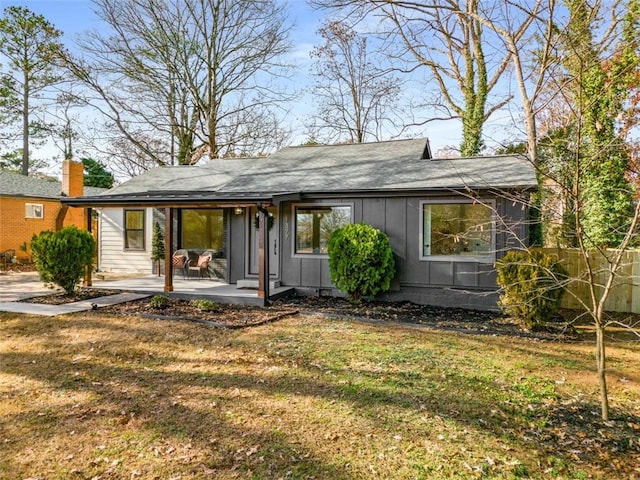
x=72, y=178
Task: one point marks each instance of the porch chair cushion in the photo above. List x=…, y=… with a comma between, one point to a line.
x=203, y=261
x=178, y=261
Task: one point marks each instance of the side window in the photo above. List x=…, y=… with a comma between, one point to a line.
x=134, y=230
x=34, y=210
x=314, y=224
x=458, y=231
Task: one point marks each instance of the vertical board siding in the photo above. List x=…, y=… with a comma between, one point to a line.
x=625, y=293
x=396, y=230
x=237, y=246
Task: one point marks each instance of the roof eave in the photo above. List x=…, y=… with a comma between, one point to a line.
x=182, y=199
x=168, y=199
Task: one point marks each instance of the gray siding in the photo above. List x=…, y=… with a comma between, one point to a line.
x=236, y=247
x=447, y=283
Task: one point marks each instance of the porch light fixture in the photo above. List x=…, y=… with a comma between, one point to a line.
x=238, y=210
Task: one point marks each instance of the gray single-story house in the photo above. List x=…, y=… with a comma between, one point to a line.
x=448, y=220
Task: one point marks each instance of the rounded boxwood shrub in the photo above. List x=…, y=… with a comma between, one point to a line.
x=159, y=301
x=532, y=284
x=361, y=261
x=205, y=305
x=62, y=257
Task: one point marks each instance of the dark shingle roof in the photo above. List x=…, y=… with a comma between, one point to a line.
x=14, y=184
x=385, y=166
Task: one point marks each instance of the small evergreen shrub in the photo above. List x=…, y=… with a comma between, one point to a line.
x=532, y=286
x=157, y=245
x=361, y=261
x=62, y=257
x=204, y=305
x=159, y=301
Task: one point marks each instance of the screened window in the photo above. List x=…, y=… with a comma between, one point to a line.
x=314, y=225
x=134, y=229
x=34, y=210
x=457, y=230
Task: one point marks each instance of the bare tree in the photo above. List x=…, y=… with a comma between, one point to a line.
x=456, y=41
x=355, y=96
x=174, y=77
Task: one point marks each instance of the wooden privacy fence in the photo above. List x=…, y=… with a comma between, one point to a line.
x=625, y=294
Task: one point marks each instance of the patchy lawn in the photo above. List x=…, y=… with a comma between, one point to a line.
x=108, y=396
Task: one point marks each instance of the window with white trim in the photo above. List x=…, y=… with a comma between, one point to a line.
x=314, y=225
x=33, y=210
x=457, y=231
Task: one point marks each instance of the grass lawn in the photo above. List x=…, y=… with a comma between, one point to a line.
x=98, y=396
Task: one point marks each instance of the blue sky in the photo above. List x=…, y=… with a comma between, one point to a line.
x=74, y=17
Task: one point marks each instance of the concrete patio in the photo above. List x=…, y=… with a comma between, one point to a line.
x=215, y=290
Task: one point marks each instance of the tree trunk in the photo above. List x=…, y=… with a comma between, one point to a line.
x=602, y=378
x=25, y=126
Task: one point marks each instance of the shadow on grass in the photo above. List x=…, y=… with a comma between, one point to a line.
x=128, y=377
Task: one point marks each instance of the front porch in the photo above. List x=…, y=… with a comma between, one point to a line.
x=192, y=288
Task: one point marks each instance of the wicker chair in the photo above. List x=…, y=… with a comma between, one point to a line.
x=180, y=262
x=200, y=265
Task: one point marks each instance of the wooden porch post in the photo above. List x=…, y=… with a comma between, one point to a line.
x=263, y=253
x=168, y=247
x=87, y=273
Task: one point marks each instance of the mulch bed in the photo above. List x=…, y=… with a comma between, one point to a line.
x=63, y=298
x=235, y=316
x=21, y=266
x=230, y=316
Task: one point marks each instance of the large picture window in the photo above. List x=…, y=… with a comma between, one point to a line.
x=314, y=225
x=203, y=229
x=457, y=230
x=134, y=229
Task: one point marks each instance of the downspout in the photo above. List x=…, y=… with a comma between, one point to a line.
x=87, y=273
x=263, y=254
x=168, y=247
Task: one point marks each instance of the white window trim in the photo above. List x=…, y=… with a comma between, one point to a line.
x=294, y=206
x=29, y=209
x=488, y=258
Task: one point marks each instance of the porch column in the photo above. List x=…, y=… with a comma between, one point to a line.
x=168, y=249
x=263, y=253
x=87, y=273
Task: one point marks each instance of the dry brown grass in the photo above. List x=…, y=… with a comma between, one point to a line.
x=98, y=396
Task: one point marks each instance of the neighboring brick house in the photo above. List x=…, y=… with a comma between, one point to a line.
x=30, y=205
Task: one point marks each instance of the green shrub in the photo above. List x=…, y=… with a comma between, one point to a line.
x=62, y=257
x=159, y=301
x=204, y=305
x=532, y=286
x=361, y=261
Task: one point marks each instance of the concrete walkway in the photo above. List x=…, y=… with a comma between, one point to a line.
x=19, y=286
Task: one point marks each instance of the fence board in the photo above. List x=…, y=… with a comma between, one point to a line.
x=625, y=293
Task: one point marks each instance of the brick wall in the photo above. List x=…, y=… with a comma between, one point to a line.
x=15, y=229
x=73, y=186
x=72, y=178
